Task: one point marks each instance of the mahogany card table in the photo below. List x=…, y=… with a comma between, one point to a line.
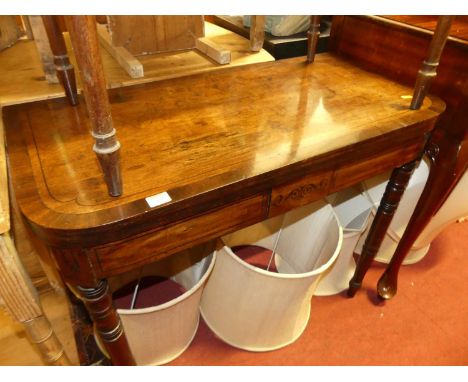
x=202, y=156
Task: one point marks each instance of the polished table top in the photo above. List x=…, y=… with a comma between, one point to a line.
x=201, y=138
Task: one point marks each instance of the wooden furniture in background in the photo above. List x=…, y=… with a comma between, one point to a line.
x=22, y=302
x=43, y=48
x=65, y=71
x=17, y=293
x=155, y=34
x=428, y=70
x=257, y=32
x=279, y=47
x=313, y=35
x=23, y=76
x=128, y=37
x=229, y=159
x=400, y=61
x=10, y=31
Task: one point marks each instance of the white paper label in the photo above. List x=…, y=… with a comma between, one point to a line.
x=158, y=199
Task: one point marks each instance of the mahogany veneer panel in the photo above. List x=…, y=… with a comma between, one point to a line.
x=208, y=140
x=459, y=26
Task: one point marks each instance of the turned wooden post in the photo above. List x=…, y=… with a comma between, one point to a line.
x=84, y=38
x=98, y=302
x=65, y=71
x=313, y=35
x=21, y=301
x=428, y=69
x=257, y=32
x=389, y=203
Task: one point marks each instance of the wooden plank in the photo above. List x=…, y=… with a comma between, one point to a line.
x=142, y=35
x=130, y=64
x=214, y=51
x=10, y=32
x=4, y=205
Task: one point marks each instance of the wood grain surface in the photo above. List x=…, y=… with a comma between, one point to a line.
x=196, y=144
x=142, y=35
x=459, y=26
x=23, y=79
x=396, y=50
x=10, y=31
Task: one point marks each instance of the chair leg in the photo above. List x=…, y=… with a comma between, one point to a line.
x=20, y=299
x=257, y=33
x=313, y=35
x=83, y=34
x=429, y=67
x=65, y=71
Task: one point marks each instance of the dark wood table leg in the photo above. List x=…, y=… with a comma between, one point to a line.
x=89, y=353
x=389, y=203
x=98, y=302
x=449, y=158
x=65, y=71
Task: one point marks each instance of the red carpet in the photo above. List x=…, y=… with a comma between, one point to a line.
x=257, y=256
x=425, y=324
x=152, y=291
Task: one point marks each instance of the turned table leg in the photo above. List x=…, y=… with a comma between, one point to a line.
x=449, y=159
x=389, y=203
x=98, y=302
x=65, y=71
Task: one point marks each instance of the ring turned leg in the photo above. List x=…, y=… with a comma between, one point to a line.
x=449, y=161
x=83, y=35
x=313, y=35
x=389, y=203
x=98, y=302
